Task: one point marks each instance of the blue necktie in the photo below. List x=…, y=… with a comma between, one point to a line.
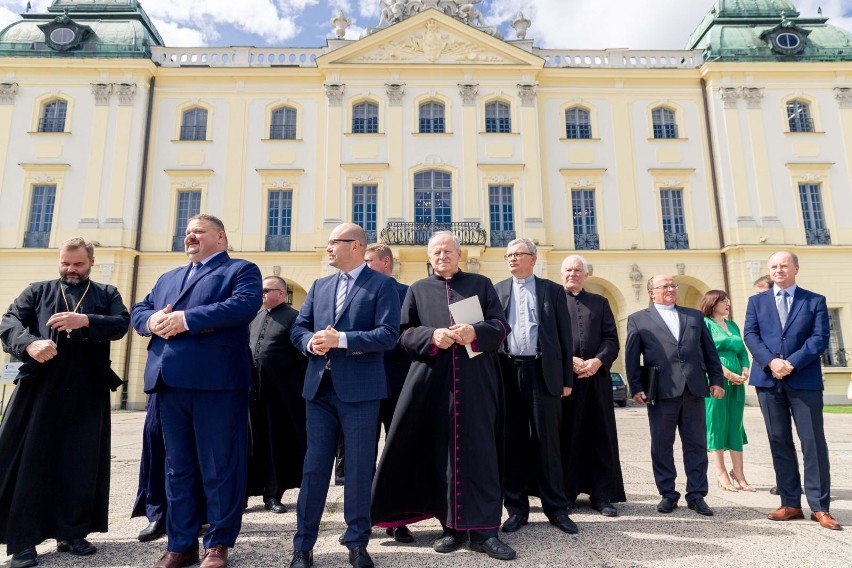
x=783, y=309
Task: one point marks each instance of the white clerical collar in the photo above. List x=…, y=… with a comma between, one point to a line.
x=526, y=280
x=664, y=307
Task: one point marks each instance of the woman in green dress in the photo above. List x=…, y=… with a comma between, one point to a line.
x=725, y=415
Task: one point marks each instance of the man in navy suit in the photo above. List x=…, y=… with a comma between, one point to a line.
x=348, y=321
x=786, y=330
x=198, y=317
x=674, y=341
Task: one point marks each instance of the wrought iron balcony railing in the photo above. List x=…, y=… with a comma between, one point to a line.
x=36, y=239
x=405, y=233
x=278, y=242
x=586, y=241
x=676, y=240
x=502, y=238
x=818, y=236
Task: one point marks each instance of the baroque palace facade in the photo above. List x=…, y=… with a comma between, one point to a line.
x=698, y=163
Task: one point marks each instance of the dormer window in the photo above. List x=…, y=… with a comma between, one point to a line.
x=62, y=36
x=63, y=33
x=788, y=41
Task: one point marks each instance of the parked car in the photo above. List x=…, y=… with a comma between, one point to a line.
x=619, y=389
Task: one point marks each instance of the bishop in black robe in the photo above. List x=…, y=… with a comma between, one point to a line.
x=55, y=435
x=441, y=456
x=589, y=438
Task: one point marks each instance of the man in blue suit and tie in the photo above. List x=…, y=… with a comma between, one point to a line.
x=198, y=317
x=347, y=322
x=786, y=329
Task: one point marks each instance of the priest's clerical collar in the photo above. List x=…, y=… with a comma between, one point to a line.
x=526, y=280
x=80, y=284
x=450, y=277
x=573, y=293
x=663, y=306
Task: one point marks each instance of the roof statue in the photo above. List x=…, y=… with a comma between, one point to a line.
x=394, y=11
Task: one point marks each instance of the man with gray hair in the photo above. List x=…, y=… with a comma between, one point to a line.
x=536, y=375
x=589, y=438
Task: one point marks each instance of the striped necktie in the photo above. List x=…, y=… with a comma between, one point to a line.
x=783, y=308
x=342, y=288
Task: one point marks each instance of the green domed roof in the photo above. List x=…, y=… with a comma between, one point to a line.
x=768, y=30
x=80, y=28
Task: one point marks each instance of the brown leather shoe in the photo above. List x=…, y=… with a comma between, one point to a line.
x=177, y=559
x=826, y=521
x=785, y=514
x=215, y=557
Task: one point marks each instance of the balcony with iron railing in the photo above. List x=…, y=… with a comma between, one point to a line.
x=502, y=238
x=817, y=236
x=36, y=239
x=418, y=234
x=676, y=240
x=586, y=241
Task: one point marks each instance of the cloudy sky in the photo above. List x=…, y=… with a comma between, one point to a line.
x=567, y=24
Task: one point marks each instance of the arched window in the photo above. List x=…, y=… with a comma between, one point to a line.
x=432, y=198
x=498, y=118
x=799, y=116
x=365, y=118
x=53, y=116
x=193, y=125
x=283, y=124
x=665, y=124
x=431, y=117
x=577, y=123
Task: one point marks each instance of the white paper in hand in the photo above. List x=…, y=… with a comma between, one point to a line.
x=467, y=311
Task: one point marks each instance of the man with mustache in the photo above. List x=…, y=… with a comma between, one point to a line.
x=55, y=436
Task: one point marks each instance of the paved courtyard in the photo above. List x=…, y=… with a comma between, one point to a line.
x=738, y=535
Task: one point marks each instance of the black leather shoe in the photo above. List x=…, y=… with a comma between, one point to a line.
x=700, y=506
x=340, y=540
x=515, y=522
x=494, y=547
x=774, y=490
x=25, y=558
x=76, y=546
x=400, y=534
x=359, y=558
x=450, y=541
x=666, y=505
x=153, y=531
x=302, y=559
x=564, y=523
x=339, y=480
x=604, y=507
x=274, y=505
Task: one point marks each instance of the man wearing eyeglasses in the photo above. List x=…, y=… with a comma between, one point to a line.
x=537, y=373
x=277, y=410
x=676, y=347
x=347, y=322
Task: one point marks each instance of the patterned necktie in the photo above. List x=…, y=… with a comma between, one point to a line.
x=523, y=337
x=192, y=271
x=342, y=287
x=783, y=309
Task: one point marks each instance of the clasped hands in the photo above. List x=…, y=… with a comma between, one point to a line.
x=585, y=369
x=446, y=337
x=323, y=340
x=166, y=323
x=67, y=321
x=736, y=379
x=781, y=368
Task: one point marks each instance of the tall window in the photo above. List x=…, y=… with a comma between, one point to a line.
x=835, y=355
x=501, y=213
x=498, y=118
x=41, y=217
x=53, y=116
x=813, y=215
x=364, y=209
x=799, y=117
x=432, y=202
x=188, y=204
x=283, y=124
x=585, y=219
x=665, y=125
x=431, y=118
x=365, y=118
x=577, y=123
x=280, y=220
x=193, y=125
x=674, y=227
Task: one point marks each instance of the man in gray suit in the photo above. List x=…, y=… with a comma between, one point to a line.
x=676, y=346
x=537, y=373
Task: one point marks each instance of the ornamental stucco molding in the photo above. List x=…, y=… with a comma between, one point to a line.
x=334, y=92
x=430, y=46
x=753, y=96
x=730, y=96
x=394, y=92
x=469, y=92
x=7, y=93
x=102, y=93
x=126, y=93
x=527, y=92
x=843, y=96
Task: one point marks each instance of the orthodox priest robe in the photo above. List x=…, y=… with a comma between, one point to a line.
x=441, y=455
x=589, y=439
x=55, y=435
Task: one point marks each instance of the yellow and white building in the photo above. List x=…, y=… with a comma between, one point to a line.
x=698, y=163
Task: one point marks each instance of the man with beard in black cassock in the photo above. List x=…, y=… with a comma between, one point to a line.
x=589, y=438
x=55, y=436
x=277, y=410
x=441, y=455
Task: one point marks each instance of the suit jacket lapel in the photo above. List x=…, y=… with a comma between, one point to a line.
x=356, y=287
x=798, y=300
x=660, y=322
x=200, y=273
x=681, y=318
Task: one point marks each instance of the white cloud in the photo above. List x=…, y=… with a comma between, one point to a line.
x=176, y=36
